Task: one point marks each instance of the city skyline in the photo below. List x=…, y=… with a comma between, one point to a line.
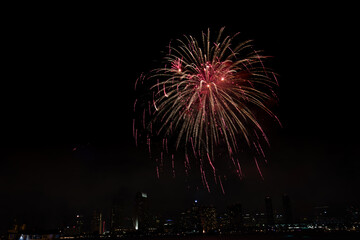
x=136, y=213
x=68, y=99
x=196, y=218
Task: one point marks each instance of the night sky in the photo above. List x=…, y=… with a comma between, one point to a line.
x=67, y=98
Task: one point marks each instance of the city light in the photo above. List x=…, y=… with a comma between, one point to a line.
x=203, y=219
x=136, y=224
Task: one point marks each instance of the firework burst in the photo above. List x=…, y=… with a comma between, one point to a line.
x=206, y=96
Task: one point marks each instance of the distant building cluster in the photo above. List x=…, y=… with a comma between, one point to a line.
x=196, y=220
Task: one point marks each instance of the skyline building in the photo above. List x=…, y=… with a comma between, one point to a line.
x=208, y=219
x=79, y=224
x=141, y=212
x=97, y=223
x=199, y=218
x=117, y=215
x=195, y=216
x=236, y=216
x=269, y=211
x=288, y=217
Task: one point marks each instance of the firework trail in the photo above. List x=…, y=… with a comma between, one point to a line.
x=206, y=96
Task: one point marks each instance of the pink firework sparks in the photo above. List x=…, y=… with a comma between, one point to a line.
x=173, y=165
x=212, y=166
x=133, y=127
x=222, y=188
x=157, y=172
x=239, y=167
x=161, y=159
x=206, y=100
x=176, y=65
x=187, y=162
x=135, y=137
x=135, y=104
x=257, y=166
x=205, y=183
x=149, y=144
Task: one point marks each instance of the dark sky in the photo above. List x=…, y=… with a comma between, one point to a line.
x=67, y=82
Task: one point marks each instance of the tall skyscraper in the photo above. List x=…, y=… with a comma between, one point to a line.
x=142, y=216
x=195, y=220
x=79, y=224
x=269, y=211
x=208, y=219
x=117, y=215
x=97, y=223
x=236, y=218
x=288, y=217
